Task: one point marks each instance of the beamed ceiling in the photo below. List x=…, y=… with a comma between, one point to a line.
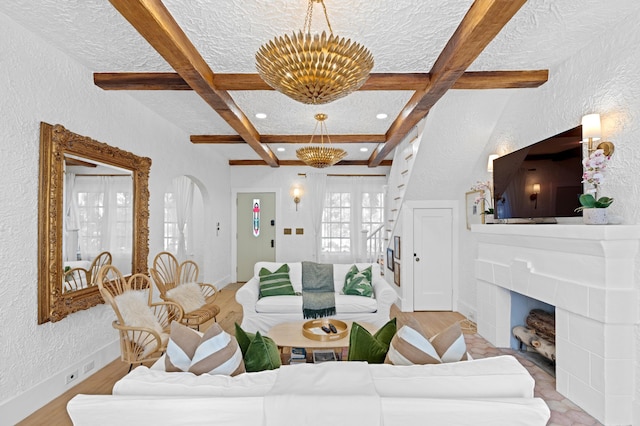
x=482, y=22
x=193, y=62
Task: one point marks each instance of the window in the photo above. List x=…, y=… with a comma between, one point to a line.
x=90, y=213
x=336, y=223
x=124, y=224
x=345, y=215
x=105, y=215
x=372, y=211
x=171, y=234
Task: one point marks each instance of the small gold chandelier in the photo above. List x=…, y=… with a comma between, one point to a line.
x=314, y=69
x=320, y=156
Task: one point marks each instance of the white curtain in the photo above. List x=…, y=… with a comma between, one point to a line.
x=109, y=215
x=71, y=223
x=100, y=231
x=91, y=236
x=316, y=191
x=183, y=191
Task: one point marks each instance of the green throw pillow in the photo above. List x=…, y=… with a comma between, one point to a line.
x=262, y=354
x=275, y=283
x=365, y=347
x=358, y=283
x=259, y=352
x=244, y=339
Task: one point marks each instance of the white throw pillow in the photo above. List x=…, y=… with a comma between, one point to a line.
x=136, y=313
x=187, y=295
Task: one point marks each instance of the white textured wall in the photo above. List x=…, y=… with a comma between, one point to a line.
x=40, y=83
x=460, y=133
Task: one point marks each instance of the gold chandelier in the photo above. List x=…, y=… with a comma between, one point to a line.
x=314, y=69
x=320, y=156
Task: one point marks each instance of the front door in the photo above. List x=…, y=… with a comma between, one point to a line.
x=432, y=260
x=256, y=215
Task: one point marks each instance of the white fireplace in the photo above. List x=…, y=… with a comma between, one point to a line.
x=587, y=273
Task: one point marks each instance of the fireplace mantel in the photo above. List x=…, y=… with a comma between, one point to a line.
x=582, y=232
x=588, y=273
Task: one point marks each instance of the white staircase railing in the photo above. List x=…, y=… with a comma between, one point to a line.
x=374, y=244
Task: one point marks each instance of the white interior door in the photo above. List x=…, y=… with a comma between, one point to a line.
x=433, y=259
x=254, y=248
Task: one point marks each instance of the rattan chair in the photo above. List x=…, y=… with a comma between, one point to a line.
x=166, y=279
x=165, y=266
x=135, y=341
x=79, y=278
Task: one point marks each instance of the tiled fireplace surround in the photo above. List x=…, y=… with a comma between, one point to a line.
x=587, y=273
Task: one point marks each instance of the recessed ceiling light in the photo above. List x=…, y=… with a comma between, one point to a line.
x=381, y=116
x=261, y=115
x=280, y=149
x=364, y=149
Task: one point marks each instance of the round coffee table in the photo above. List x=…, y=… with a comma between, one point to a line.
x=289, y=335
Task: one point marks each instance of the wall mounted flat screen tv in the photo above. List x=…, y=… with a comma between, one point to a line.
x=543, y=180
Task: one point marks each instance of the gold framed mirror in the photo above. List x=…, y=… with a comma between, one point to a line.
x=57, y=146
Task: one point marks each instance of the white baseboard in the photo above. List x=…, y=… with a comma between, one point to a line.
x=404, y=305
x=223, y=282
x=636, y=413
x=467, y=310
x=20, y=406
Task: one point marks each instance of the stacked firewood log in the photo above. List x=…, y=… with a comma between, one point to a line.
x=540, y=333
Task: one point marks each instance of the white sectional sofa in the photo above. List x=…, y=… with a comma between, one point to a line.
x=260, y=314
x=496, y=391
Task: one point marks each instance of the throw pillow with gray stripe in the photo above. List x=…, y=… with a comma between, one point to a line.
x=276, y=283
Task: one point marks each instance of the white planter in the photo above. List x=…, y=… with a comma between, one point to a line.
x=594, y=216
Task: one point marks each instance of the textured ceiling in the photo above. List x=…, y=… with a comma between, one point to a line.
x=403, y=36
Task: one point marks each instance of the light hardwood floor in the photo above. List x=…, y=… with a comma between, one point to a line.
x=102, y=381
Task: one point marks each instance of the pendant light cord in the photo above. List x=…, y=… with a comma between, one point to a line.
x=308, y=18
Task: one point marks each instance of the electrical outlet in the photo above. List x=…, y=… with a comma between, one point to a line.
x=88, y=367
x=72, y=376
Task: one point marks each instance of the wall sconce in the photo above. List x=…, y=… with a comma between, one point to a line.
x=490, y=162
x=534, y=195
x=296, y=193
x=592, y=132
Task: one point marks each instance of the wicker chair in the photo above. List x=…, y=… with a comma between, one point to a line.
x=166, y=267
x=79, y=278
x=135, y=341
x=167, y=279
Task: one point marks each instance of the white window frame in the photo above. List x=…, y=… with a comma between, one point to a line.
x=354, y=222
x=170, y=242
x=90, y=236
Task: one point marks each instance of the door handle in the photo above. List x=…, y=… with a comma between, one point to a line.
x=416, y=257
x=273, y=244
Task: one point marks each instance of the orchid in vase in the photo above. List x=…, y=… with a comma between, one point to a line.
x=594, y=167
x=486, y=190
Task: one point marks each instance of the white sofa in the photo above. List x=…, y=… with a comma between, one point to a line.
x=260, y=314
x=496, y=391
